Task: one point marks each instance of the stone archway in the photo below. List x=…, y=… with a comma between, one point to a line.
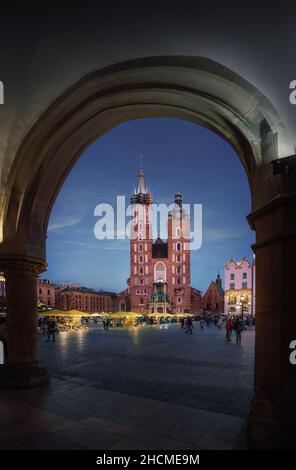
x=195, y=89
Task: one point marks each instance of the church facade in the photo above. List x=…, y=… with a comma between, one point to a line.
x=159, y=279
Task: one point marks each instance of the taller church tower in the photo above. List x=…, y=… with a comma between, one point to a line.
x=140, y=281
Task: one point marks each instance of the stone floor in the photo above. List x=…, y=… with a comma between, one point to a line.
x=138, y=388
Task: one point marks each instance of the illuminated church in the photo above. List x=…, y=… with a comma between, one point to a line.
x=159, y=269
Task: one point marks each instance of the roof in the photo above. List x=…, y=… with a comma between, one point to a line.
x=88, y=291
x=217, y=287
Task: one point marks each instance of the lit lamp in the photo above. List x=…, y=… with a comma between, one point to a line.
x=242, y=304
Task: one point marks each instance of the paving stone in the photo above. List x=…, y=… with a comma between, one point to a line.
x=144, y=389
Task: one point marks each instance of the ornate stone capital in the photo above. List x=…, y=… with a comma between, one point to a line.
x=24, y=265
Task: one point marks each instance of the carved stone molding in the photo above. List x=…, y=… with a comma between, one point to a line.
x=24, y=265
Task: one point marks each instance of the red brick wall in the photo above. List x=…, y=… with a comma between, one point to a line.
x=213, y=300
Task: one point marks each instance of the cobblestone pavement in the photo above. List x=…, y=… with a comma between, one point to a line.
x=139, y=388
x=201, y=371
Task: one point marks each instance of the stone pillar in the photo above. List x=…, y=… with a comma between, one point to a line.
x=22, y=369
x=272, y=421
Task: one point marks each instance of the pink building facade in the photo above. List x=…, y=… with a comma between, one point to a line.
x=240, y=294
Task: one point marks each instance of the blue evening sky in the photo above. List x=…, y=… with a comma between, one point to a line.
x=178, y=156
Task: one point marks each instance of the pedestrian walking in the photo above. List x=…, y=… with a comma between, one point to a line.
x=229, y=328
x=238, y=327
x=182, y=322
x=51, y=330
x=189, y=325
x=219, y=323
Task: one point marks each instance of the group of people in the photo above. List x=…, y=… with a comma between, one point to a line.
x=231, y=324
x=49, y=327
x=234, y=324
x=188, y=324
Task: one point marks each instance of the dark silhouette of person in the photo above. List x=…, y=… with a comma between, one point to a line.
x=189, y=325
x=51, y=330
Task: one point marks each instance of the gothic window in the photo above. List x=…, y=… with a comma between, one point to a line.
x=178, y=269
x=178, y=280
x=160, y=271
x=140, y=247
x=160, y=267
x=141, y=259
x=179, y=246
x=141, y=270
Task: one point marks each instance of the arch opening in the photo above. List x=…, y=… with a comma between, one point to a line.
x=194, y=89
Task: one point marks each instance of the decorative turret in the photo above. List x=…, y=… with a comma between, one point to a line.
x=219, y=280
x=178, y=199
x=142, y=194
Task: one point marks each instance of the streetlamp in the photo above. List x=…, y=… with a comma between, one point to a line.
x=243, y=302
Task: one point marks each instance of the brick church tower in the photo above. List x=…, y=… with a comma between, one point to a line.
x=159, y=270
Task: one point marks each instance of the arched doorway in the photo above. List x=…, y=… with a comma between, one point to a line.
x=194, y=89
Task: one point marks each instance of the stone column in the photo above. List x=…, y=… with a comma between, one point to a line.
x=272, y=421
x=22, y=369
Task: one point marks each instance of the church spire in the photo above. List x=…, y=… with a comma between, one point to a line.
x=142, y=194
x=141, y=187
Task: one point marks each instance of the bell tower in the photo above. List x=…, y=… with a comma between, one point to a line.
x=141, y=274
